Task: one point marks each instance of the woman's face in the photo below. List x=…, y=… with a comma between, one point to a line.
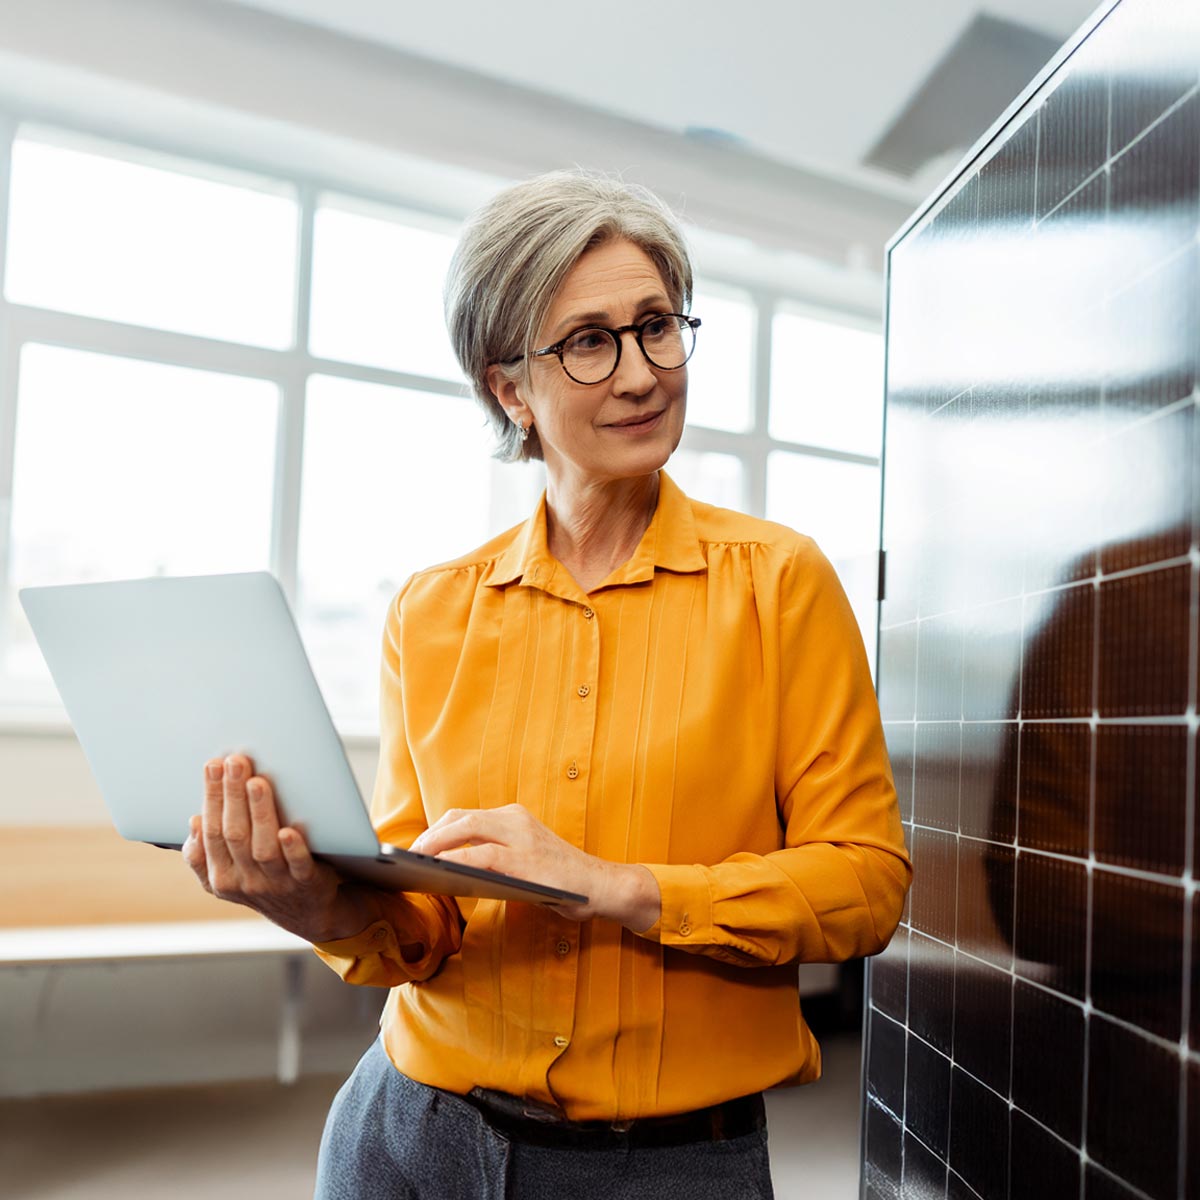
x=629, y=424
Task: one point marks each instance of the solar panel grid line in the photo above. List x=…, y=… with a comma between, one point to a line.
x=1150, y=268
x=1058, y=589
x=1084, y=1004
x=1131, y=429
x=1186, y=884
x=1097, y=1166
x=1111, y=159
x=947, y=404
x=1088, y=1008
x=1136, y=422
x=963, y=1183
x=874, y=1100
x=1186, y=1117
x=1148, y=1039
x=1081, y=1150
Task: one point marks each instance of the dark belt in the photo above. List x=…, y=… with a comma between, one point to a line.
x=525, y=1121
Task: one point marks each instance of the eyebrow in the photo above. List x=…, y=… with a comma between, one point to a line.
x=579, y=320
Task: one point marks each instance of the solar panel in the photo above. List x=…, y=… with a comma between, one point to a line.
x=1033, y=1030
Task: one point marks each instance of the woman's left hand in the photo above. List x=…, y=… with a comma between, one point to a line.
x=511, y=840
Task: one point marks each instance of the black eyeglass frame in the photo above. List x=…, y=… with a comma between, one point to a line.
x=637, y=330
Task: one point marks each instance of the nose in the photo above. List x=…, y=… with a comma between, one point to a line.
x=633, y=375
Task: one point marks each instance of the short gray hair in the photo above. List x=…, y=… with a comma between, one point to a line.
x=513, y=256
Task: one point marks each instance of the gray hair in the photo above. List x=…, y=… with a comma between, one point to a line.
x=513, y=256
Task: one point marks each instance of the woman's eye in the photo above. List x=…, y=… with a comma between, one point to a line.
x=588, y=340
x=657, y=327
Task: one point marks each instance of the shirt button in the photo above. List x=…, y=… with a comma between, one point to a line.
x=584, y=690
x=588, y=614
x=562, y=947
x=560, y=1042
x=572, y=772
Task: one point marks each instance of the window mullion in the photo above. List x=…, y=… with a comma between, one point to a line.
x=756, y=464
x=289, y=446
x=8, y=379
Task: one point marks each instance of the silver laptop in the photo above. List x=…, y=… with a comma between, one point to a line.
x=160, y=675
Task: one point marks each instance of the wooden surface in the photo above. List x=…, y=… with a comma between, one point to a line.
x=92, y=876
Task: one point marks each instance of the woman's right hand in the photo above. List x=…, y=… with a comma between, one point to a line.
x=239, y=853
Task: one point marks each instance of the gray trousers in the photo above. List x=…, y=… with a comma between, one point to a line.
x=388, y=1137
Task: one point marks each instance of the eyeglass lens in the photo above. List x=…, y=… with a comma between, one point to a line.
x=591, y=354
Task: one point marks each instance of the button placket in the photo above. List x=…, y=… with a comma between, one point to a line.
x=555, y=1005
x=587, y=657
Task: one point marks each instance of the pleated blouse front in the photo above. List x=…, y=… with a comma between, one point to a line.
x=707, y=711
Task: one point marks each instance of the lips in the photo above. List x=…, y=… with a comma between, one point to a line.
x=637, y=420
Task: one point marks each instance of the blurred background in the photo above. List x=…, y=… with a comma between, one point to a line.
x=223, y=231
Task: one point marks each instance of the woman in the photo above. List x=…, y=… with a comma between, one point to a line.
x=658, y=704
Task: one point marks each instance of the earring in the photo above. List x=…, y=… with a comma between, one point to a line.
x=524, y=434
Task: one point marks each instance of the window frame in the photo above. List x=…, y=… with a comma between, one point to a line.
x=290, y=368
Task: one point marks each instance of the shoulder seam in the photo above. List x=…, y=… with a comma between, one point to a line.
x=450, y=567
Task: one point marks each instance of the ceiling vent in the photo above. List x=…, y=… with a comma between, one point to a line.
x=975, y=81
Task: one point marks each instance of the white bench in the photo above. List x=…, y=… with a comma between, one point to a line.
x=173, y=941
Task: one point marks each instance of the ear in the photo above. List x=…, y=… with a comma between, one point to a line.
x=508, y=392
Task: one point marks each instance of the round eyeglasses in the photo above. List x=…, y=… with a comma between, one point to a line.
x=591, y=354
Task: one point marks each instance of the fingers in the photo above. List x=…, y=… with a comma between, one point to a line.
x=193, y=852
x=240, y=826
x=235, y=821
x=300, y=862
x=212, y=822
x=264, y=827
x=459, y=825
x=488, y=857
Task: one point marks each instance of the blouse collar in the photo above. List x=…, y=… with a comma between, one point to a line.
x=670, y=543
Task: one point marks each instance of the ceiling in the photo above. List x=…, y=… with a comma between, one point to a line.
x=803, y=82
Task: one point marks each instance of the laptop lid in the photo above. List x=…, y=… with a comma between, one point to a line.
x=160, y=675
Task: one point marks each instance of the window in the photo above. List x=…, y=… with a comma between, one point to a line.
x=184, y=395
x=149, y=243
x=721, y=375
x=377, y=290
x=826, y=384
x=387, y=463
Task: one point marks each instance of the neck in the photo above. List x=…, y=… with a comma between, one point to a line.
x=593, y=529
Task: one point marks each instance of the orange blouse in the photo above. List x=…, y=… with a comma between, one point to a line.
x=707, y=711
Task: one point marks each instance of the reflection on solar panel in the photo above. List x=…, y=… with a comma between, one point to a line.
x=1034, y=1027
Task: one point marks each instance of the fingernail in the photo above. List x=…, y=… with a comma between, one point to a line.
x=213, y=771
x=254, y=788
x=234, y=768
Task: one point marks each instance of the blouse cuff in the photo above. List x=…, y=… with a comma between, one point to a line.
x=685, y=919
x=373, y=940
